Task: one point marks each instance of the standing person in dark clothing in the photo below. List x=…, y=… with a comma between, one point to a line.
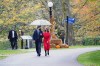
x=12, y=36
x=37, y=37
x=62, y=36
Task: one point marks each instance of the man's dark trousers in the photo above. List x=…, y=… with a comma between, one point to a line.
x=14, y=43
x=38, y=47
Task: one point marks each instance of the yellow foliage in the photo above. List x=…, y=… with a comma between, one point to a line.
x=11, y=0
x=37, y=6
x=75, y=10
x=1, y=21
x=6, y=0
x=77, y=1
x=92, y=34
x=33, y=9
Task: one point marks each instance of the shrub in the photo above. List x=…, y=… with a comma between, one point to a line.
x=4, y=45
x=91, y=41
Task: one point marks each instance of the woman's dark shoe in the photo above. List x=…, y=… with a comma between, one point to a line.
x=48, y=52
x=45, y=53
x=39, y=55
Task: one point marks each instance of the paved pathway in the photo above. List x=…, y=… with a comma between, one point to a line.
x=60, y=57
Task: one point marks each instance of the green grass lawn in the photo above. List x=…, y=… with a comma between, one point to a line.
x=2, y=57
x=90, y=58
x=6, y=53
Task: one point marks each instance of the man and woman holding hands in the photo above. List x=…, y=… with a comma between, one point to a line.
x=37, y=37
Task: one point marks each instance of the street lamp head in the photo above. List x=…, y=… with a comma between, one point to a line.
x=50, y=4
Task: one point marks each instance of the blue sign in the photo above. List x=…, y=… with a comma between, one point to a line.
x=70, y=20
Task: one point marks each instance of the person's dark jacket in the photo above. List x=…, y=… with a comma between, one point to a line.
x=10, y=35
x=37, y=36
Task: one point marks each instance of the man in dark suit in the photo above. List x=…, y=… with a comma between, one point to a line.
x=37, y=37
x=12, y=36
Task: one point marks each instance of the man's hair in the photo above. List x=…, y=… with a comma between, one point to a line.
x=38, y=26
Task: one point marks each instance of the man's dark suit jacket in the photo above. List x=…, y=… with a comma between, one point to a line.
x=10, y=35
x=37, y=36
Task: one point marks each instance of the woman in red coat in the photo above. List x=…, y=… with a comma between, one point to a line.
x=46, y=41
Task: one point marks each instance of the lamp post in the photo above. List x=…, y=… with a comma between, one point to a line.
x=67, y=31
x=54, y=39
x=50, y=5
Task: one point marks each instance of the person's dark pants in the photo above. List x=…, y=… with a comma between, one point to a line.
x=62, y=39
x=14, y=44
x=38, y=47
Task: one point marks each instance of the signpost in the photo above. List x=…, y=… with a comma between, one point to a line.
x=68, y=20
x=71, y=20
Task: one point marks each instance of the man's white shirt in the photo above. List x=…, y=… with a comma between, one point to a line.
x=13, y=34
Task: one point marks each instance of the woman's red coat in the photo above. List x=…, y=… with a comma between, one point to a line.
x=46, y=41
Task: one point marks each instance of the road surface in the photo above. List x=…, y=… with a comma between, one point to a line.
x=60, y=57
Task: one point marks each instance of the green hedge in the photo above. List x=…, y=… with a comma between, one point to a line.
x=4, y=45
x=91, y=41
